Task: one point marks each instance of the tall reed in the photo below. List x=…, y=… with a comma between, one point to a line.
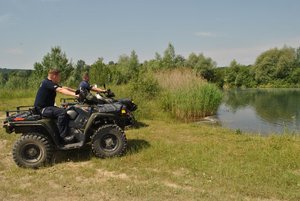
x=188, y=97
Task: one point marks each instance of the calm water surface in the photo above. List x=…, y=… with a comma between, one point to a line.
x=261, y=110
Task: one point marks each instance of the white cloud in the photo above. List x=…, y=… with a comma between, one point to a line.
x=205, y=34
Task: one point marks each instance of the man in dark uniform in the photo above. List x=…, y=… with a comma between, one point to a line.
x=45, y=102
x=85, y=85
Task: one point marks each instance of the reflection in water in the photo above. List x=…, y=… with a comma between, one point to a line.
x=261, y=110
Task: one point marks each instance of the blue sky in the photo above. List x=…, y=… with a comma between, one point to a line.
x=88, y=29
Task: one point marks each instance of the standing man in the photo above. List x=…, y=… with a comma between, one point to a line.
x=45, y=101
x=85, y=85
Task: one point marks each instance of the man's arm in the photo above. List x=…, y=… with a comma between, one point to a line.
x=66, y=91
x=98, y=90
x=68, y=88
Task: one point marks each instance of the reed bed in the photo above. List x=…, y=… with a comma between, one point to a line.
x=187, y=96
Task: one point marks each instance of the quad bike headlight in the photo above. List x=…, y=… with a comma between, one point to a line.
x=123, y=111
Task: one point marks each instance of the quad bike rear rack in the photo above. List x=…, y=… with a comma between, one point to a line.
x=18, y=110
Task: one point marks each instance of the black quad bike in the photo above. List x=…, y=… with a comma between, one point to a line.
x=101, y=125
x=105, y=100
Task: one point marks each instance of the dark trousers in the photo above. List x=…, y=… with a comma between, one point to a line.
x=62, y=118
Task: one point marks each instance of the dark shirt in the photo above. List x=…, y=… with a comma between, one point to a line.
x=84, y=85
x=46, y=94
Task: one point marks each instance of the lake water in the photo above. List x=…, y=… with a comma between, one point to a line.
x=261, y=110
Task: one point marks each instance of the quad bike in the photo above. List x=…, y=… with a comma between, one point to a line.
x=105, y=98
x=100, y=125
x=105, y=103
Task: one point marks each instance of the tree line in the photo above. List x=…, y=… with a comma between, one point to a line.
x=273, y=68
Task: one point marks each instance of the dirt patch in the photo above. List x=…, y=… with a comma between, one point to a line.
x=5, y=155
x=3, y=144
x=296, y=172
x=177, y=186
x=78, y=165
x=181, y=172
x=261, y=199
x=53, y=185
x=2, y=116
x=110, y=174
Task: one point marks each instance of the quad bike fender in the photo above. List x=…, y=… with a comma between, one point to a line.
x=45, y=126
x=98, y=116
x=21, y=127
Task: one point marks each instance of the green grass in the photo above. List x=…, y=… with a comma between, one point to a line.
x=10, y=99
x=6, y=94
x=165, y=161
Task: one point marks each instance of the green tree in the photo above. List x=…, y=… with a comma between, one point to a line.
x=168, y=60
x=297, y=57
x=179, y=61
x=18, y=79
x=76, y=74
x=274, y=64
x=231, y=73
x=3, y=79
x=100, y=73
x=55, y=59
x=128, y=67
x=145, y=86
x=295, y=76
x=219, y=75
x=154, y=64
x=115, y=74
x=133, y=68
x=245, y=77
x=203, y=66
x=192, y=60
x=16, y=82
x=123, y=68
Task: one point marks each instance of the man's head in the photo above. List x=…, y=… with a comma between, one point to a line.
x=54, y=75
x=86, y=76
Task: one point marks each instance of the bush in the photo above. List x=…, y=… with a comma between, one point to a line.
x=145, y=86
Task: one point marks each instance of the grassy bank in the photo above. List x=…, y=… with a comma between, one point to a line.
x=9, y=99
x=164, y=161
x=6, y=94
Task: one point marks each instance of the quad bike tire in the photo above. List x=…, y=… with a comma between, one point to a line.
x=32, y=150
x=109, y=141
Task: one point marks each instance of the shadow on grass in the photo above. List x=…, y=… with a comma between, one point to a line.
x=134, y=146
x=139, y=124
x=75, y=155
